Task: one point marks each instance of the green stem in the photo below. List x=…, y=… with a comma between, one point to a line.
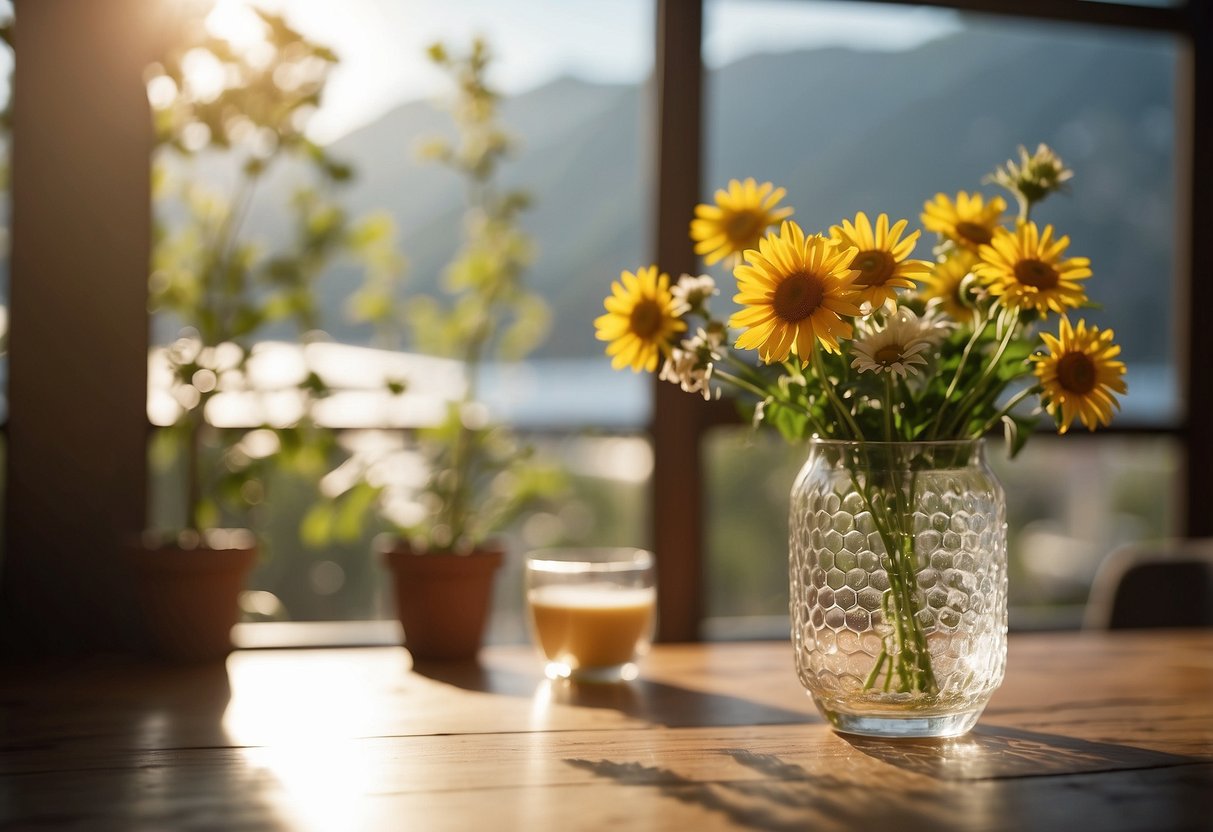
x=743, y=370
x=213, y=317
x=888, y=408
x=764, y=395
x=974, y=392
x=740, y=383
x=193, y=470
x=456, y=507
x=819, y=368
x=978, y=331
x=1010, y=405
x=911, y=656
x=875, y=673
x=904, y=565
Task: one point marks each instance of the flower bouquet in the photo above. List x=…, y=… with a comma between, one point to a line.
x=894, y=368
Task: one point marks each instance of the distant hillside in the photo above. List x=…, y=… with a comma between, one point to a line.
x=843, y=130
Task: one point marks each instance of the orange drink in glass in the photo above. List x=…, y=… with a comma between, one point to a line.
x=592, y=611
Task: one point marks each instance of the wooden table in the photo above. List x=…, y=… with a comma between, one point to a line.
x=1104, y=732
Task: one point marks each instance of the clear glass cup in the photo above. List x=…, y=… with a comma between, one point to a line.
x=592, y=611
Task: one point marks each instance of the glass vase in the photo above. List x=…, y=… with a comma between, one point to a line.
x=897, y=562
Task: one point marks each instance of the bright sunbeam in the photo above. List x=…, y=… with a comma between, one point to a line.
x=235, y=22
x=309, y=721
x=204, y=75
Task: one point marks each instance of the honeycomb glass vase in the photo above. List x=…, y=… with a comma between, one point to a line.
x=897, y=561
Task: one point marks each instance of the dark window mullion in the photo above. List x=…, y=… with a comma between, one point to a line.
x=678, y=418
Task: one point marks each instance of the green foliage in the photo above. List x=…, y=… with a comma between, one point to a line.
x=480, y=476
x=224, y=288
x=799, y=406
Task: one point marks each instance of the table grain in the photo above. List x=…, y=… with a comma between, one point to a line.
x=1107, y=731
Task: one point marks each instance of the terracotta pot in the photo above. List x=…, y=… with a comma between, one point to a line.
x=442, y=600
x=190, y=596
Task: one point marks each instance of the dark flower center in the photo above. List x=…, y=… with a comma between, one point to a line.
x=1037, y=274
x=1076, y=373
x=888, y=355
x=743, y=227
x=798, y=297
x=974, y=233
x=874, y=267
x=646, y=319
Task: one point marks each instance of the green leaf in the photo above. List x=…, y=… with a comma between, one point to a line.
x=529, y=329
x=370, y=306
x=376, y=228
x=339, y=171
x=246, y=321
x=356, y=504
x=207, y=513
x=316, y=528
x=791, y=424
x=315, y=385
x=1017, y=430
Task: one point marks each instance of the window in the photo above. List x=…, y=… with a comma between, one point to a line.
x=572, y=75
x=1172, y=398
x=866, y=106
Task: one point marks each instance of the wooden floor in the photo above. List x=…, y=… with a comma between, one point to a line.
x=1104, y=732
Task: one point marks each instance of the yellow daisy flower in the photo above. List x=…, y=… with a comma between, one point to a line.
x=737, y=221
x=1079, y=375
x=881, y=257
x=1026, y=270
x=642, y=320
x=969, y=221
x=943, y=283
x=795, y=290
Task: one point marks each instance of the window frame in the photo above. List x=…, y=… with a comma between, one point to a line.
x=62, y=585
x=679, y=421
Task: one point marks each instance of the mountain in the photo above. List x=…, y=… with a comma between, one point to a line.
x=844, y=130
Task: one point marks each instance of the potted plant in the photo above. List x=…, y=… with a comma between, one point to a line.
x=224, y=428
x=893, y=369
x=475, y=477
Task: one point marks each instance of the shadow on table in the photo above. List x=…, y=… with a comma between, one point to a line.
x=764, y=791
x=656, y=702
x=144, y=706
x=992, y=752
x=828, y=792
x=113, y=743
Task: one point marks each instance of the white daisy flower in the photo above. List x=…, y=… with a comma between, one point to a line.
x=694, y=291
x=897, y=347
x=690, y=365
x=934, y=324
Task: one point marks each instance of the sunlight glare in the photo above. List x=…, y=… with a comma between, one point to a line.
x=308, y=725
x=205, y=75
x=623, y=458
x=161, y=92
x=236, y=23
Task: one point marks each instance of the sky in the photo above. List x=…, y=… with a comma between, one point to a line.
x=382, y=43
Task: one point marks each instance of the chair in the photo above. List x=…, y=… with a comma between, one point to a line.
x=1168, y=583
